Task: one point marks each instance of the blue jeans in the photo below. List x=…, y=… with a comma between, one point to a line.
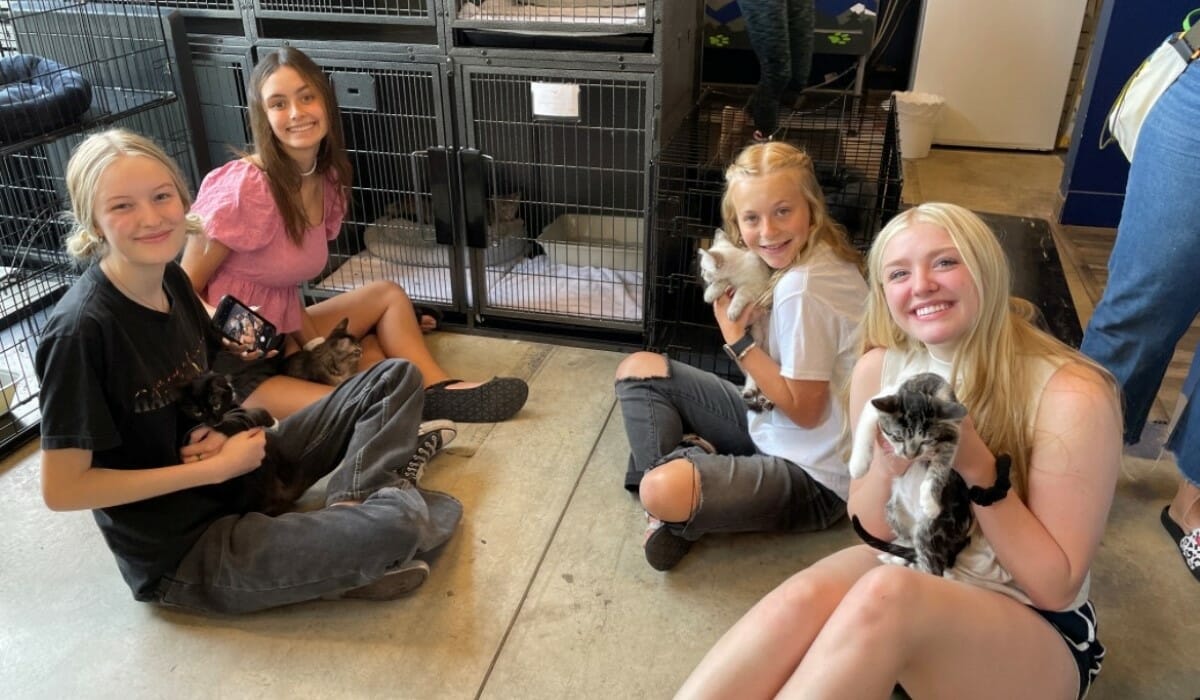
x=363, y=433
x=741, y=489
x=1153, y=291
x=781, y=34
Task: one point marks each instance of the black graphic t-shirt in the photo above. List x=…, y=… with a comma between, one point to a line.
x=109, y=368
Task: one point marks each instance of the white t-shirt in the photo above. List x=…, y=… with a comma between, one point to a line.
x=817, y=307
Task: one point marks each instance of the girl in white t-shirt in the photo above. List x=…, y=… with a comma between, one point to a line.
x=700, y=462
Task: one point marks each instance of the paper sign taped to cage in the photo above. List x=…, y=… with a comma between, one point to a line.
x=555, y=100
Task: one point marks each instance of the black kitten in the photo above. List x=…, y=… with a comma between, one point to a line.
x=332, y=362
x=921, y=421
x=210, y=399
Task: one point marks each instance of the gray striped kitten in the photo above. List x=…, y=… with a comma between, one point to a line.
x=921, y=422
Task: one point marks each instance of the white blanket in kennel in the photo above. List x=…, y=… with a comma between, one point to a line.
x=512, y=11
x=535, y=285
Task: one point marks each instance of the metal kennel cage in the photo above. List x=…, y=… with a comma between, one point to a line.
x=575, y=148
x=854, y=147
x=122, y=54
x=220, y=67
x=505, y=22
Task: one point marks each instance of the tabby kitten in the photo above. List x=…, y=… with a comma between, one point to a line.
x=921, y=422
x=209, y=398
x=725, y=266
x=331, y=362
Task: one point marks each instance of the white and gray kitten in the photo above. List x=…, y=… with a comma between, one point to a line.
x=725, y=266
x=921, y=422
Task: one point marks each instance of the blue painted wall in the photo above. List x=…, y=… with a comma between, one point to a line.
x=1093, y=184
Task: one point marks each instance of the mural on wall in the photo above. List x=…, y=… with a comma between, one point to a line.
x=842, y=26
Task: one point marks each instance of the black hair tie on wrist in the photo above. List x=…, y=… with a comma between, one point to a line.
x=997, y=491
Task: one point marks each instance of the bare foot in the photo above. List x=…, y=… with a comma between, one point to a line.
x=1185, y=507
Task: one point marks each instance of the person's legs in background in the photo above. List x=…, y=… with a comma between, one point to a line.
x=1152, y=295
x=767, y=29
x=802, y=22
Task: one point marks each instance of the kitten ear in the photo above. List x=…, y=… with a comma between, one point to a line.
x=717, y=257
x=704, y=254
x=342, y=325
x=953, y=411
x=887, y=404
x=720, y=236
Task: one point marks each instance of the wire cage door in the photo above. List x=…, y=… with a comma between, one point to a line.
x=98, y=65
x=563, y=184
x=393, y=114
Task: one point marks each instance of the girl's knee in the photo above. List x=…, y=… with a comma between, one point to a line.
x=389, y=292
x=883, y=594
x=671, y=491
x=642, y=365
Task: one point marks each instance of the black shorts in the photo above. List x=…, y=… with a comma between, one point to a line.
x=1078, y=629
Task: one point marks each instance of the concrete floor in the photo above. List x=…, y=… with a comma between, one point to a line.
x=544, y=592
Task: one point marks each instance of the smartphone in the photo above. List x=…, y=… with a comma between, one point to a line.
x=240, y=324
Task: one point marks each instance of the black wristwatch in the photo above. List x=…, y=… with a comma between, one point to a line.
x=738, y=348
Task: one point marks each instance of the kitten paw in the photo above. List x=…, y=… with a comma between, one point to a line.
x=929, y=504
x=859, y=466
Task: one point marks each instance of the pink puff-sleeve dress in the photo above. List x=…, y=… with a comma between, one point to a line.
x=264, y=267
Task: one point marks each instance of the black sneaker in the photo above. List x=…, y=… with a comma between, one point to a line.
x=495, y=400
x=663, y=548
x=432, y=436
x=400, y=581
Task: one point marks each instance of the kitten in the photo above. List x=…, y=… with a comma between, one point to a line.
x=921, y=421
x=209, y=398
x=331, y=362
x=724, y=266
x=503, y=208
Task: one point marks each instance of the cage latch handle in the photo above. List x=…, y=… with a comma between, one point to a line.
x=439, y=188
x=474, y=188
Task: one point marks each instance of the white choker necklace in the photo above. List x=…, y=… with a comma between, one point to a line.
x=311, y=170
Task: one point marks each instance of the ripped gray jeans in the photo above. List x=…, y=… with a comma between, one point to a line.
x=741, y=489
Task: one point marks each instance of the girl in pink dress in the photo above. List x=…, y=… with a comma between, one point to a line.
x=269, y=217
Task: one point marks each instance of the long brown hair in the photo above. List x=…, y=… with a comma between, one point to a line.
x=283, y=175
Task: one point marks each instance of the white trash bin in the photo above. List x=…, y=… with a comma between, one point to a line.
x=918, y=113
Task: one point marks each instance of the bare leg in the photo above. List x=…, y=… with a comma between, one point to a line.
x=1184, y=508
x=383, y=310
x=671, y=491
x=761, y=651
x=282, y=396
x=938, y=638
